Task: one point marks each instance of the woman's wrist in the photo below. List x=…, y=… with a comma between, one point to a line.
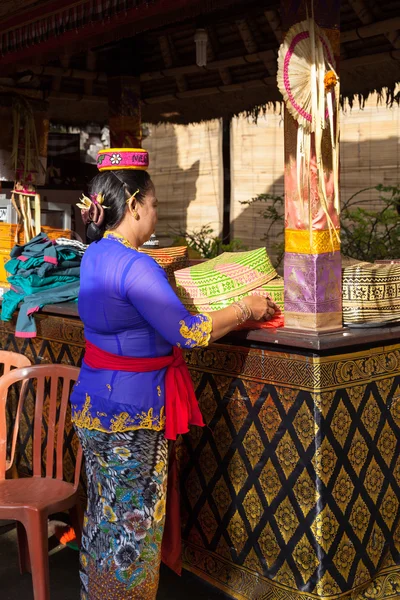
x=247, y=302
x=243, y=312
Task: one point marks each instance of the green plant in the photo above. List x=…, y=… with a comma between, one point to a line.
x=367, y=234
x=204, y=244
x=372, y=234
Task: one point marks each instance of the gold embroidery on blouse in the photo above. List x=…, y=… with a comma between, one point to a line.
x=83, y=418
x=118, y=423
x=108, y=386
x=119, y=238
x=159, y=390
x=199, y=334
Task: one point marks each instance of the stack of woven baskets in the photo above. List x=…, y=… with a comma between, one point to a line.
x=170, y=259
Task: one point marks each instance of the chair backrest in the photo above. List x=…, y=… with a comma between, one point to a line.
x=13, y=359
x=55, y=416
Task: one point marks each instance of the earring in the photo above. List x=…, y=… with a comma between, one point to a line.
x=135, y=215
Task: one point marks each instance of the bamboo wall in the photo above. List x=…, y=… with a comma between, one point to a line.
x=257, y=167
x=186, y=164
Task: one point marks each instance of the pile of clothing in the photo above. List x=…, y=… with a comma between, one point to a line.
x=41, y=272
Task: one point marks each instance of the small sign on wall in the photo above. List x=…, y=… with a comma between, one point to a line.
x=7, y=213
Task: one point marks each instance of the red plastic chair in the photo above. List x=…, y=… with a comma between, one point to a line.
x=11, y=360
x=30, y=500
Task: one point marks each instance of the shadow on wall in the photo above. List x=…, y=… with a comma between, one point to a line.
x=176, y=187
x=364, y=164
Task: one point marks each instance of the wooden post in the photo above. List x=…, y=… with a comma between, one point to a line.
x=125, y=116
x=312, y=271
x=227, y=172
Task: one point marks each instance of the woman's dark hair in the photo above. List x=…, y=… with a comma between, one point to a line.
x=116, y=187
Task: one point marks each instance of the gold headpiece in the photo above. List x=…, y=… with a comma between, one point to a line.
x=133, y=196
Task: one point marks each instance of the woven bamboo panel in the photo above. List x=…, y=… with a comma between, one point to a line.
x=370, y=149
x=186, y=167
x=370, y=154
x=257, y=167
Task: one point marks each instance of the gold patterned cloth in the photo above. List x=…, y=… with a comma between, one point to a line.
x=292, y=491
x=371, y=293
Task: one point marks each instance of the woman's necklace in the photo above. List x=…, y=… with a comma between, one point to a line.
x=119, y=238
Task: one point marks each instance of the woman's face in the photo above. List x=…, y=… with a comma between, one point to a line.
x=147, y=214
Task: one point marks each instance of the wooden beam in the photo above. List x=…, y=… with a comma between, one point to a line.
x=370, y=59
x=362, y=11
x=212, y=52
x=165, y=50
x=274, y=22
x=211, y=91
x=246, y=35
x=251, y=46
x=227, y=179
x=64, y=72
x=366, y=17
x=216, y=65
x=226, y=76
x=367, y=31
x=167, y=54
x=76, y=97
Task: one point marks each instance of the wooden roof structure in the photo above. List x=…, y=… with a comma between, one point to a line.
x=63, y=52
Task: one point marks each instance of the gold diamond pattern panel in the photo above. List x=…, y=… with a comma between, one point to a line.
x=305, y=558
x=325, y=528
x=306, y=490
x=286, y=519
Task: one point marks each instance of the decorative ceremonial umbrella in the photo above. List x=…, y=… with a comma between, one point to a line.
x=310, y=88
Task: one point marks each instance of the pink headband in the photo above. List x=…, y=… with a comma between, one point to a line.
x=122, y=158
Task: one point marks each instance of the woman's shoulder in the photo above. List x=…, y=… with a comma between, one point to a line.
x=123, y=253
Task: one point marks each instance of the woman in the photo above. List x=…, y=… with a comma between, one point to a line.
x=134, y=390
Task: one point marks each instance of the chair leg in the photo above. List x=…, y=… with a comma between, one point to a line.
x=37, y=533
x=76, y=516
x=23, y=551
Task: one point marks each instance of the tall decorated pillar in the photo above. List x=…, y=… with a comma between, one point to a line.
x=309, y=82
x=125, y=118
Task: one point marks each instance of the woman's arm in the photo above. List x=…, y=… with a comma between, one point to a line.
x=147, y=288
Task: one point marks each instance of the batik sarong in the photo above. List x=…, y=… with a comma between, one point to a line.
x=124, y=520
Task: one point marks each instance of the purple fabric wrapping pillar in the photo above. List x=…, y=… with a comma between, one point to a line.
x=313, y=298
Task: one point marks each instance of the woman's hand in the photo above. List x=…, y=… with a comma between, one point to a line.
x=262, y=309
x=226, y=319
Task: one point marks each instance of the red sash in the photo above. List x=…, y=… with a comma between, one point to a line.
x=181, y=407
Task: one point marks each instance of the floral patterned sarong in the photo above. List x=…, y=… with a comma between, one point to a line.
x=124, y=519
